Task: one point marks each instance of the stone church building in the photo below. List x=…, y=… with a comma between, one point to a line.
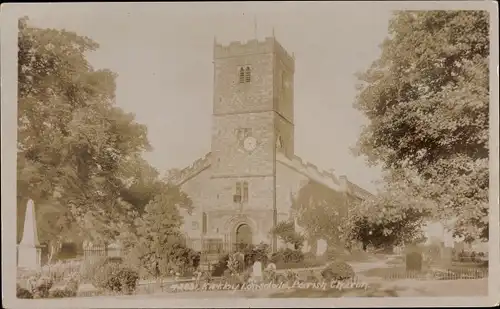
x=245, y=184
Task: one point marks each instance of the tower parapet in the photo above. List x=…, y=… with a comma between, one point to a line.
x=254, y=46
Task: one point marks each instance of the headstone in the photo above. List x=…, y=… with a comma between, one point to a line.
x=257, y=271
x=115, y=250
x=321, y=247
x=29, y=250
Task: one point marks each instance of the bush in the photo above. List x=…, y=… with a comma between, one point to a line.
x=286, y=256
x=162, y=261
x=23, y=293
x=42, y=287
x=185, y=259
x=337, y=271
x=62, y=293
x=256, y=253
x=69, y=289
x=291, y=275
x=221, y=265
x=116, y=278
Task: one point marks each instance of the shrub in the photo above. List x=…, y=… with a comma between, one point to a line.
x=185, y=259
x=69, y=289
x=42, y=287
x=287, y=256
x=337, y=271
x=291, y=275
x=61, y=293
x=256, y=253
x=162, y=260
x=116, y=278
x=23, y=293
x=233, y=265
x=221, y=265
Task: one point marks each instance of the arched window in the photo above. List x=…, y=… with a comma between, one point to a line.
x=242, y=75
x=204, y=223
x=248, y=75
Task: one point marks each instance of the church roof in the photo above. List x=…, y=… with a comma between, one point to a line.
x=325, y=178
x=307, y=169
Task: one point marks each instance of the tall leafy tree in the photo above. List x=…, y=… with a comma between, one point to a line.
x=78, y=153
x=427, y=101
x=159, y=245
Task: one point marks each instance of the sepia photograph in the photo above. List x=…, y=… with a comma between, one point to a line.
x=250, y=153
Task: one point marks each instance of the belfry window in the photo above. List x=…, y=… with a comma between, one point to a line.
x=242, y=75
x=248, y=75
x=245, y=74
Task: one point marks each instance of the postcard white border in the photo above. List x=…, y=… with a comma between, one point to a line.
x=10, y=12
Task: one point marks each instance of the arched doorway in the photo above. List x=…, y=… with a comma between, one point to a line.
x=243, y=236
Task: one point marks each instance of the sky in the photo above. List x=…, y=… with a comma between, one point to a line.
x=163, y=53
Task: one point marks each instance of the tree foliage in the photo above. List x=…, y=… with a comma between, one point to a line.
x=383, y=223
x=427, y=101
x=285, y=230
x=159, y=245
x=322, y=213
x=79, y=155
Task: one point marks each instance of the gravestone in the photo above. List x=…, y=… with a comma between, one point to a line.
x=257, y=271
x=114, y=252
x=321, y=247
x=29, y=250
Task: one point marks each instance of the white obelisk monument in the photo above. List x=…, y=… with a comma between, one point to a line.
x=29, y=251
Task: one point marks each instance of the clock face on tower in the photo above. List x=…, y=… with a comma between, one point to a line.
x=249, y=143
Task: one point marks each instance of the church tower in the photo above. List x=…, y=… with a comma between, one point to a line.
x=252, y=122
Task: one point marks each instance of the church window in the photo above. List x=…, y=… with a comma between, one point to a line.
x=237, y=195
x=204, y=223
x=245, y=191
x=245, y=74
x=238, y=188
x=242, y=75
x=248, y=75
